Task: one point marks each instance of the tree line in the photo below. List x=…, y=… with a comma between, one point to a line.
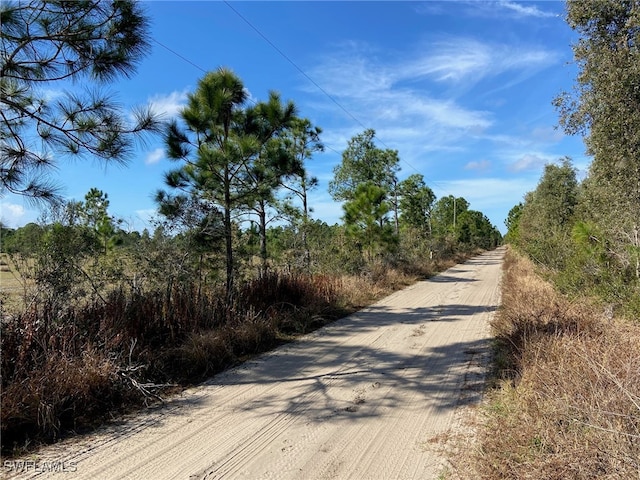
x=240, y=185
x=587, y=231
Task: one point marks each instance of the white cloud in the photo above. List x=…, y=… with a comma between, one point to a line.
x=509, y=8
x=451, y=60
x=382, y=93
x=378, y=94
x=530, y=161
x=144, y=218
x=170, y=105
x=430, y=8
x=50, y=94
x=467, y=60
x=402, y=97
x=12, y=214
x=547, y=134
x=154, y=156
x=525, y=10
x=480, y=165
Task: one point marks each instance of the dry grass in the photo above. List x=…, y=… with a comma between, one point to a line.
x=73, y=371
x=568, y=402
x=12, y=285
x=383, y=279
x=64, y=392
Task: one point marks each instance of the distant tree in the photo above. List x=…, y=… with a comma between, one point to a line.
x=94, y=214
x=44, y=44
x=445, y=221
x=268, y=122
x=194, y=229
x=303, y=140
x=5, y=235
x=512, y=223
x=366, y=222
x=548, y=214
x=416, y=203
x=363, y=162
x=26, y=240
x=446, y=212
x=474, y=230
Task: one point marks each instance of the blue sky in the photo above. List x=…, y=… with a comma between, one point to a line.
x=462, y=90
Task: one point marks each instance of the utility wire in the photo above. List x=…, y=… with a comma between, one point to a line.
x=352, y=116
x=264, y=37
x=275, y=47
x=178, y=55
x=182, y=57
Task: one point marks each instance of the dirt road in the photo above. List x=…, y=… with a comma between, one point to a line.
x=365, y=398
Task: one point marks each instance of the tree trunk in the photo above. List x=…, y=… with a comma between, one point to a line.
x=395, y=207
x=262, y=220
x=305, y=226
x=228, y=234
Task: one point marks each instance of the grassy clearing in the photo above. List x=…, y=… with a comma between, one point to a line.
x=566, y=399
x=12, y=285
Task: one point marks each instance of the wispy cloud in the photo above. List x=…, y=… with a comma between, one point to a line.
x=145, y=217
x=381, y=88
x=380, y=94
x=170, y=105
x=11, y=214
x=479, y=165
x=154, y=156
x=530, y=161
x=459, y=59
x=525, y=10
x=547, y=134
x=430, y=8
x=485, y=8
x=504, y=8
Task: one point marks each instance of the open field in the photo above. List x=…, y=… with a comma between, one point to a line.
x=11, y=284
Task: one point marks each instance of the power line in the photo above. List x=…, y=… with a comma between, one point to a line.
x=275, y=47
x=182, y=57
x=264, y=37
x=178, y=55
x=288, y=59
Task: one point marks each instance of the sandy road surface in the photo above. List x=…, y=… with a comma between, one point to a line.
x=364, y=398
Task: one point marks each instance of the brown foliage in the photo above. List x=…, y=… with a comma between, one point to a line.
x=570, y=404
x=71, y=371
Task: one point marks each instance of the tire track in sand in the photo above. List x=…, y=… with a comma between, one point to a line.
x=363, y=398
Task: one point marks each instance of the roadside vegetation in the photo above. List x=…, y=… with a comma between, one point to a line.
x=565, y=402
x=88, y=335
x=97, y=318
